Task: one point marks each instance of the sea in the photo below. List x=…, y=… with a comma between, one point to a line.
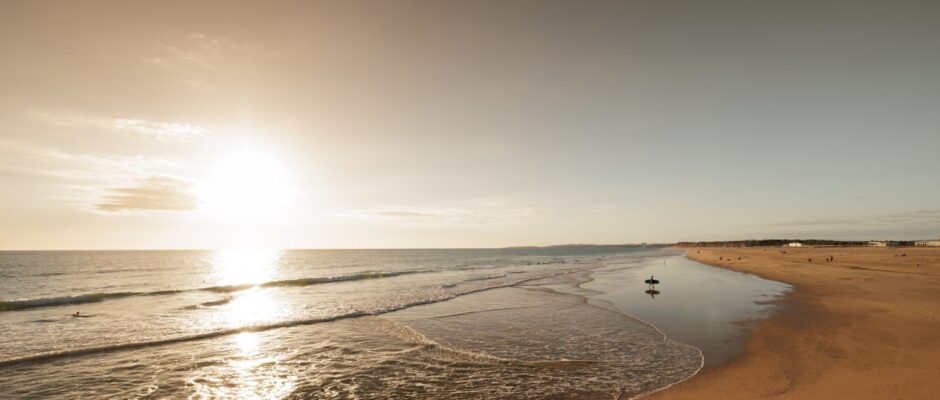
x=522, y=323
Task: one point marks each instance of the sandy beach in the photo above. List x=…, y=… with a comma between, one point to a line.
x=863, y=326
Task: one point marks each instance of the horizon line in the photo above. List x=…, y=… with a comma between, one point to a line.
x=641, y=244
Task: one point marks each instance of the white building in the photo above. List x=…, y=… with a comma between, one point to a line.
x=794, y=244
x=878, y=243
x=928, y=243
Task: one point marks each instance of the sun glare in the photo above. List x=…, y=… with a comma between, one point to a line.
x=247, y=183
x=245, y=266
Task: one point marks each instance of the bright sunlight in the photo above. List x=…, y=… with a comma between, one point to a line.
x=246, y=184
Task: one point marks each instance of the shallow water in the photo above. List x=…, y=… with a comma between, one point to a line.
x=708, y=307
x=520, y=323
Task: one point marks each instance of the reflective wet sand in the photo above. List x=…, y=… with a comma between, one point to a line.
x=711, y=308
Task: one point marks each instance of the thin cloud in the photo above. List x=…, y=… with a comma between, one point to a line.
x=202, y=61
x=81, y=177
x=603, y=209
x=917, y=224
x=817, y=222
x=54, y=162
x=924, y=217
x=917, y=216
x=155, y=193
x=160, y=130
x=486, y=215
x=397, y=214
x=78, y=166
x=157, y=130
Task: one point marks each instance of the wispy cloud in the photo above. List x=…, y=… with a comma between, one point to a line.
x=484, y=215
x=154, y=193
x=102, y=182
x=158, y=130
x=917, y=216
x=54, y=162
x=927, y=216
x=200, y=60
x=819, y=222
x=88, y=168
x=388, y=214
x=603, y=208
x=907, y=224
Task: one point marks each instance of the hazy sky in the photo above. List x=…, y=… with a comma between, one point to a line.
x=188, y=124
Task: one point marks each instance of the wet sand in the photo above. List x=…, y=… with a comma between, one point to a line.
x=864, y=326
x=711, y=308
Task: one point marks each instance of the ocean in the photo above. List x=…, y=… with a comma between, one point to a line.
x=542, y=323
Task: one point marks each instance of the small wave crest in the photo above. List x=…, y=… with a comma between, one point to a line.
x=43, y=357
x=213, y=303
x=136, y=345
x=16, y=305
x=27, y=304
x=486, y=278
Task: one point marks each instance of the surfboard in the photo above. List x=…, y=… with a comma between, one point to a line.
x=651, y=281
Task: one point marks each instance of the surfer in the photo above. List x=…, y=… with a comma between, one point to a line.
x=77, y=314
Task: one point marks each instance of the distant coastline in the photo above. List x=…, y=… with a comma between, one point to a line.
x=573, y=245
x=782, y=242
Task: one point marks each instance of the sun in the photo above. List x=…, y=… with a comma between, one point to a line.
x=247, y=183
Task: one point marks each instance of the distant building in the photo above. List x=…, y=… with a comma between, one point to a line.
x=794, y=244
x=928, y=243
x=882, y=243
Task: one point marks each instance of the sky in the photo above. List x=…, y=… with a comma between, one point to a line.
x=360, y=124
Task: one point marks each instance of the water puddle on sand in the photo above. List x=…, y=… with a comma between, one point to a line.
x=711, y=308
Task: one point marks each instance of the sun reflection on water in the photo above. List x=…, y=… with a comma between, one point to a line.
x=245, y=266
x=251, y=369
x=250, y=372
x=253, y=306
x=247, y=342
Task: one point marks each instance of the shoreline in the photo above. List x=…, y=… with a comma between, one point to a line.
x=862, y=326
x=684, y=311
x=672, y=332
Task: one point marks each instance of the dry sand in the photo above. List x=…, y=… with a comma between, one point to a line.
x=865, y=326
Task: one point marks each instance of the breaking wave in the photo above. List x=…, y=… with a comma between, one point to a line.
x=27, y=304
x=43, y=357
